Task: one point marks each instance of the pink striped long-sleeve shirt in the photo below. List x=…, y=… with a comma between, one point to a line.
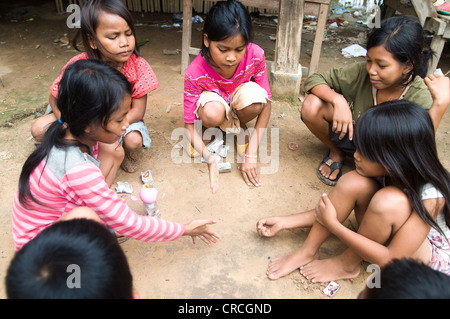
x=68, y=179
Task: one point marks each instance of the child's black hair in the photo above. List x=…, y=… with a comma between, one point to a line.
x=73, y=259
x=405, y=38
x=410, y=279
x=400, y=136
x=227, y=19
x=89, y=22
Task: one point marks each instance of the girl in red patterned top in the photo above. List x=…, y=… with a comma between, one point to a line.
x=108, y=34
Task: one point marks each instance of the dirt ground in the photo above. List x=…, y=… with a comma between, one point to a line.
x=32, y=52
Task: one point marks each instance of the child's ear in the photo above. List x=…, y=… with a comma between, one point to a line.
x=205, y=40
x=408, y=67
x=92, y=42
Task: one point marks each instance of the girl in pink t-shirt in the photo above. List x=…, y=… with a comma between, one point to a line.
x=108, y=34
x=226, y=86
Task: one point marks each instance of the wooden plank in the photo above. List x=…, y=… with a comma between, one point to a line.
x=317, y=46
x=311, y=6
x=288, y=43
x=187, y=34
x=424, y=9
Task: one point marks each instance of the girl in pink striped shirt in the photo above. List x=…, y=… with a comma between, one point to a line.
x=226, y=86
x=61, y=179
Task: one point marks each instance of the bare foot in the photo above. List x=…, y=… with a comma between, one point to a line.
x=329, y=269
x=282, y=266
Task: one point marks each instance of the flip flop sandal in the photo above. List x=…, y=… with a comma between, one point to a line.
x=443, y=8
x=121, y=239
x=241, y=149
x=190, y=150
x=333, y=166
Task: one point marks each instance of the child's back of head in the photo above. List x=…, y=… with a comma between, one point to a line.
x=73, y=259
x=409, y=279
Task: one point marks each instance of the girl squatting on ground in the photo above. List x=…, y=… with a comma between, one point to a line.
x=397, y=63
x=108, y=34
x=226, y=86
x=61, y=179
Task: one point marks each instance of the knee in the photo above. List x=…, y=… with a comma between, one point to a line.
x=310, y=108
x=212, y=114
x=39, y=127
x=252, y=111
x=118, y=153
x=132, y=141
x=390, y=202
x=356, y=185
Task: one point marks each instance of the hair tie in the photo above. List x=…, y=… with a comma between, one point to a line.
x=60, y=122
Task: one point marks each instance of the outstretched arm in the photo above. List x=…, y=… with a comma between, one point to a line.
x=199, y=228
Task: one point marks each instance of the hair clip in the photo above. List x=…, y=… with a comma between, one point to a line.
x=61, y=122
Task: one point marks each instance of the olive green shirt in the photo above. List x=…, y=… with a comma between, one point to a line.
x=352, y=81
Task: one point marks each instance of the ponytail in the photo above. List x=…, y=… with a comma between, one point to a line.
x=54, y=136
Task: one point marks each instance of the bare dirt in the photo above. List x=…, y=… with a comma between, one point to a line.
x=31, y=57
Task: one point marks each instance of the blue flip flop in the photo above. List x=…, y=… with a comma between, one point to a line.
x=333, y=166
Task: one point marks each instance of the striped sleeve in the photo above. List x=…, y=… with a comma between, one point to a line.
x=85, y=185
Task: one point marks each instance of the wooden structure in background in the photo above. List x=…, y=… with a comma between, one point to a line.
x=285, y=70
x=286, y=66
x=433, y=22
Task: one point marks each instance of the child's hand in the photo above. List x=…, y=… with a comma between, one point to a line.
x=342, y=118
x=439, y=87
x=199, y=228
x=325, y=212
x=268, y=227
x=250, y=173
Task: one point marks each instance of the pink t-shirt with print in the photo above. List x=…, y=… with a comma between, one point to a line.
x=200, y=76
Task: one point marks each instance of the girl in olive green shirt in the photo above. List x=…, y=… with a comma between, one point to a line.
x=395, y=68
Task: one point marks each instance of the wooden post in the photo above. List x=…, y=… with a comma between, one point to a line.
x=320, y=28
x=286, y=71
x=187, y=34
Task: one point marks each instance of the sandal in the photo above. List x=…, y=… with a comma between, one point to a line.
x=241, y=149
x=333, y=166
x=444, y=8
x=191, y=151
x=121, y=239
